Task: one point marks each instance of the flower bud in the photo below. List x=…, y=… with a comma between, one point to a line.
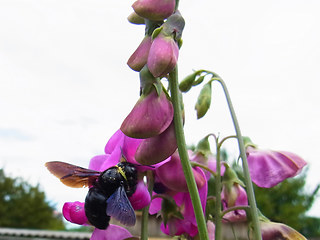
x=163, y=55
x=172, y=176
x=134, y=18
x=156, y=149
x=174, y=26
x=186, y=84
x=204, y=100
x=139, y=58
x=155, y=10
x=151, y=116
x=268, y=168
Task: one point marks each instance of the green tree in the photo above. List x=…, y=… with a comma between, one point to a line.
x=25, y=206
x=288, y=202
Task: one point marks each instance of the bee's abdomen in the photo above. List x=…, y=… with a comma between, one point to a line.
x=95, y=208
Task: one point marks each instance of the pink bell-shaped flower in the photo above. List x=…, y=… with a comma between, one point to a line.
x=140, y=56
x=151, y=116
x=268, y=168
x=155, y=10
x=172, y=176
x=156, y=149
x=163, y=55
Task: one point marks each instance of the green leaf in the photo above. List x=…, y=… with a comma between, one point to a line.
x=156, y=32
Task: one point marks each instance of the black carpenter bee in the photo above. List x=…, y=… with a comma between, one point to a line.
x=108, y=191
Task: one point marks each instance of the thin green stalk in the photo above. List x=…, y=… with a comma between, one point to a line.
x=145, y=210
x=250, y=192
x=217, y=217
x=182, y=149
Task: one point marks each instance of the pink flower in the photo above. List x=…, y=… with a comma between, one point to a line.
x=128, y=147
x=209, y=161
x=151, y=116
x=74, y=212
x=155, y=10
x=163, y=55
x=268, y=168
x=187, y=225
x=156, y=149
x=141, y=197
x=172, y=176
x=272, y=230
x=234, y=196
x=113, y=232
x=139, y=58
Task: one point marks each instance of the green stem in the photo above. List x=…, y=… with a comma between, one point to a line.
x=195, y=164
x=217, y=217
x=246, y=208
x=182, y=149
x=250, y=192
x=145, y=210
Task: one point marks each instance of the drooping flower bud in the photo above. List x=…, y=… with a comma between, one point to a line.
x=155, y=10
x=163, y=55
x=151, y=116
x=186, y=84
x=204, y=100
x=173, y=27
x=172, y=176
x=156, y=149
x=134, y=18
x=268, y=168
x=139, y=58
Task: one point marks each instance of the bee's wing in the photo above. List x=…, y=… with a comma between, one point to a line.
x=71, y=175
x=119, y=207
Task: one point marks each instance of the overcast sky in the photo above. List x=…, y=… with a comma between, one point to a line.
x=65, y=87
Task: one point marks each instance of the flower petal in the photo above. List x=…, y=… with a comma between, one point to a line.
x=97, y=161
x=150, y=116
x=74, y=212
x=113, y=232
x=141, y=197
x=269, y=168
x=114, y=141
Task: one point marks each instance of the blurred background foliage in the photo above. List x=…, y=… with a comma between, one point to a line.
x=25, y=206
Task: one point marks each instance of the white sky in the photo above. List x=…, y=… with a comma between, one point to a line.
x=65, y=87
